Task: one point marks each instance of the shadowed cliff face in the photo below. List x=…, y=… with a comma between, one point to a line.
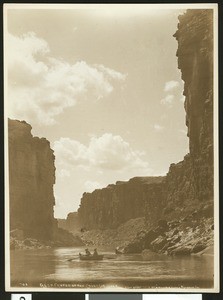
x=31, y=180
x=195, y=60
x=188, y=185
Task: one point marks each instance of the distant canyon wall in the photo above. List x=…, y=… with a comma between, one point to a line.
x=189, y=182
x=72, y=223
x=117, y=203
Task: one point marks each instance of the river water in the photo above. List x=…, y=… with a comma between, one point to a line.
x=61, y=268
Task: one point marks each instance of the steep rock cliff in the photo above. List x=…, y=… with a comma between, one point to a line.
x=190, y=182
x=31, y=198
x=31, y=180
x=195, y=60
x=117, y=203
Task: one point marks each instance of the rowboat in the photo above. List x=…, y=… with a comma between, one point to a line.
x=91, y=257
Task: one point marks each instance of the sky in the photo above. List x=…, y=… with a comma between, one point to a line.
x=103, y=86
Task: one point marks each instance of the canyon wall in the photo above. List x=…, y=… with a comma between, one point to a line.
x=117, y=203
x=195, y=60
x=190, y=182
x=31, y=180
x=31, y=197
x=188, y=185
x=72, y=223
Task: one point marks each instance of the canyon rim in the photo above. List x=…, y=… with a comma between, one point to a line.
x=111, y=143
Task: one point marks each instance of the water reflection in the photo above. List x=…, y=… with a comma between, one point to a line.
x=63, y=265
x=31, y=265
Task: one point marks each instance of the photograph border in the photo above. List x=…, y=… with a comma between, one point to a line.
x=216, y=160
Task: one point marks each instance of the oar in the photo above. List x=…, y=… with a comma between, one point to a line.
x=70, y=259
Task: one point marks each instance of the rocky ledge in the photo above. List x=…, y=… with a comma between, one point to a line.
x=187, y=235
x=19, y=241
x=120, y=236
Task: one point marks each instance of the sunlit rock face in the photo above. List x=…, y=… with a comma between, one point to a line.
x=31, y=180
x=31, y=197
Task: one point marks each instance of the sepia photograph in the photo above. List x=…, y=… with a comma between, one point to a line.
x=111, y=147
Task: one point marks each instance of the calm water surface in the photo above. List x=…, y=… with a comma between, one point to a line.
x=48, y=267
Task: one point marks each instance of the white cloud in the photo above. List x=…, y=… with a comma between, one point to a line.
x=70, y=152
x=158, y=127
x=112, y=152
x=42, y=87
x=168, y=100
x=171, y=85
x=111, y=73
x=108, y=152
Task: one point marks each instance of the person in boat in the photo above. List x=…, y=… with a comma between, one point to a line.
x=95, y=252
x=87, y=252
